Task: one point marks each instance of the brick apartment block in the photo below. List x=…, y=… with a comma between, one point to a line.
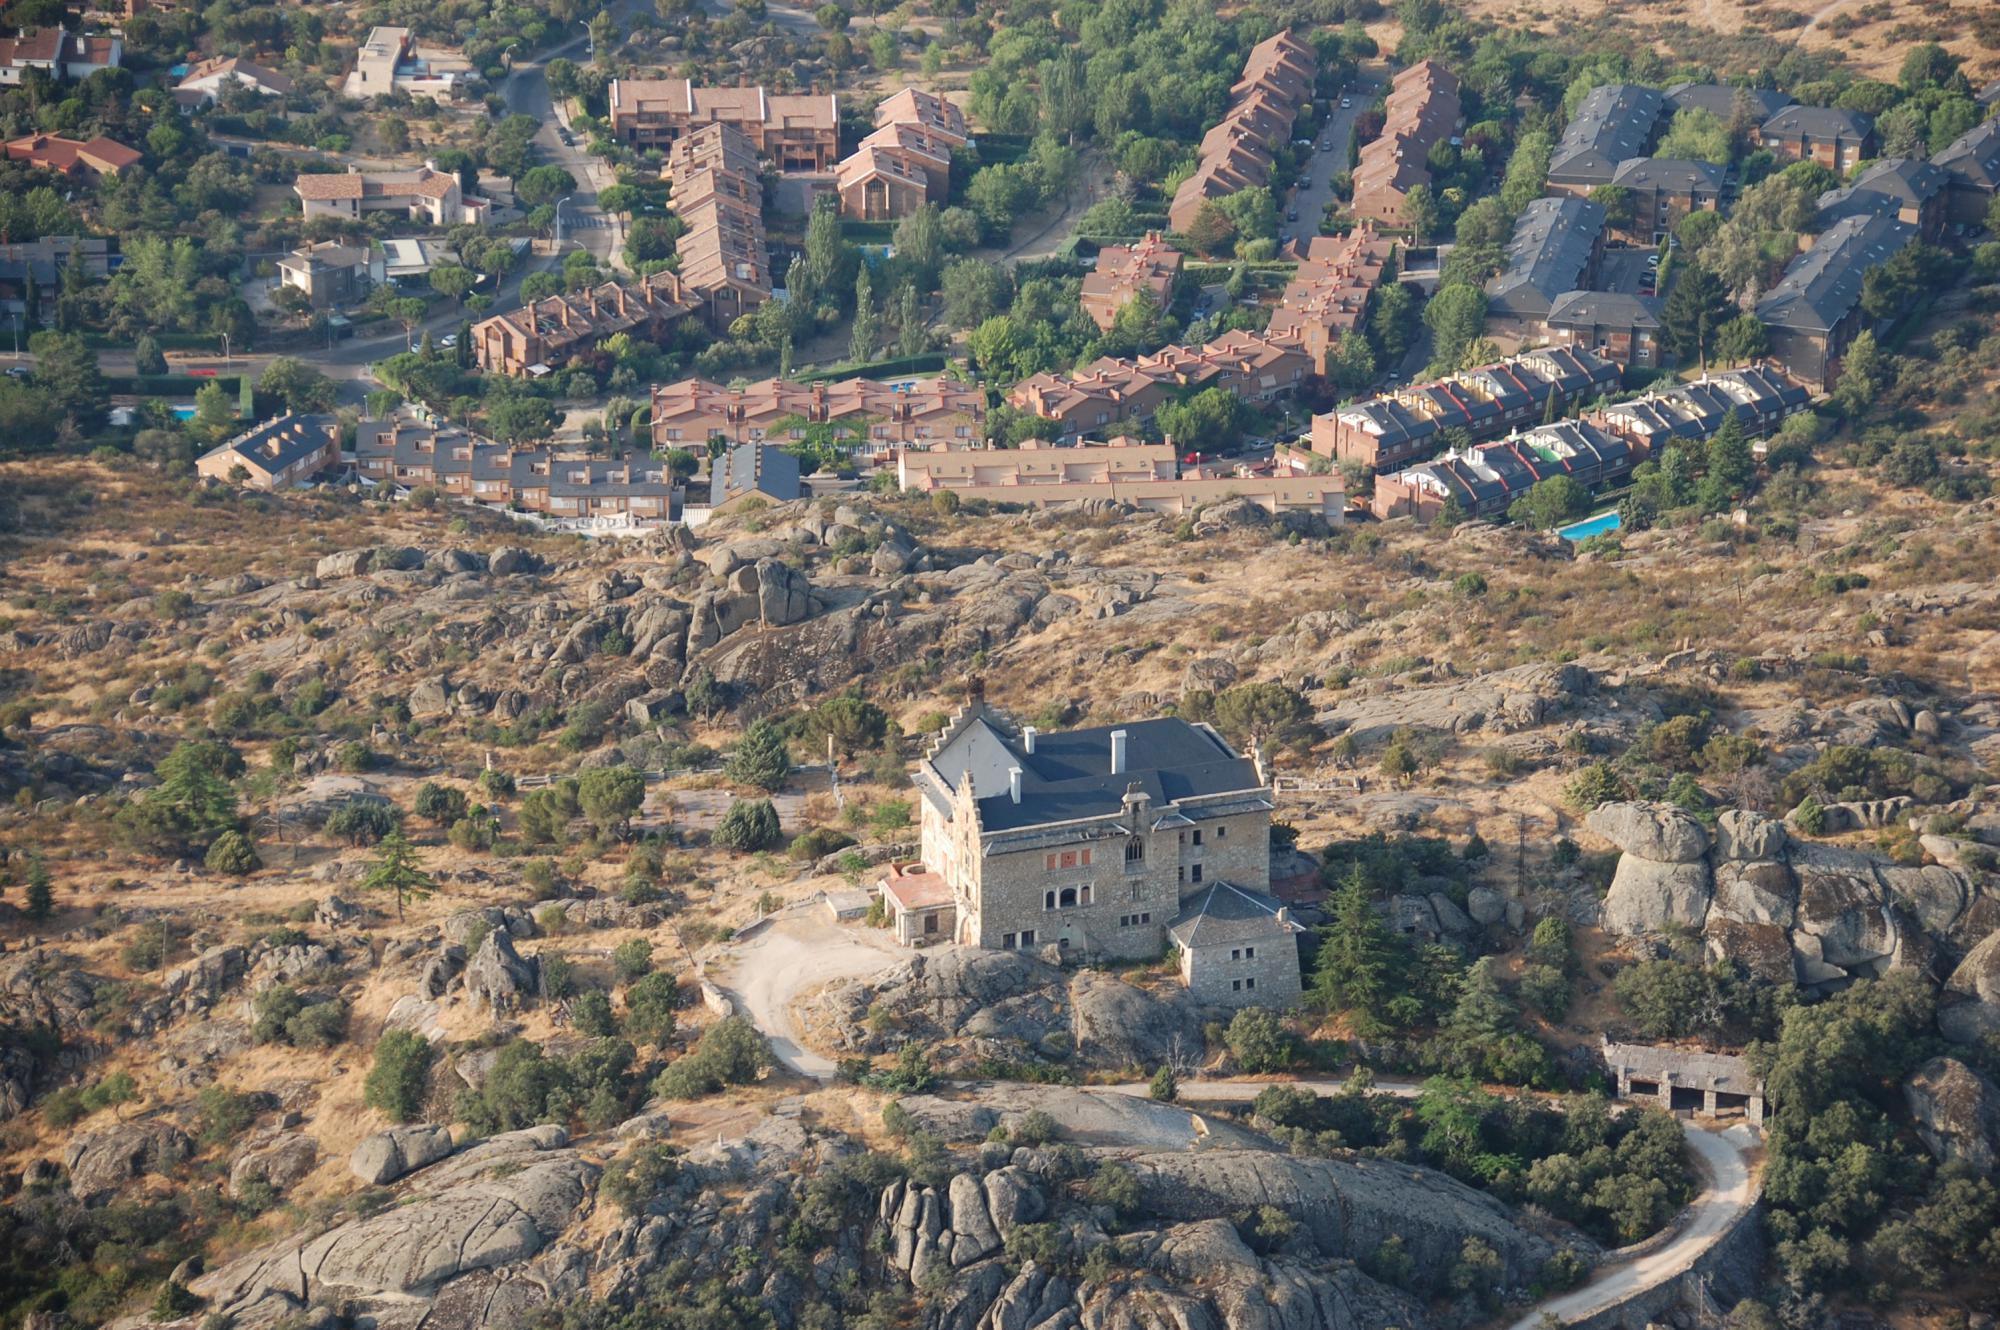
x=1422, y=111
x=555, y=330
x=797, y=132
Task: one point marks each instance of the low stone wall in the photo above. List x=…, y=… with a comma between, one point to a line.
x=1730, y=1270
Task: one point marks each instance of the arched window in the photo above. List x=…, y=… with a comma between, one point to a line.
x=1067, y=898
x=1048, y=900
x=1135, y=851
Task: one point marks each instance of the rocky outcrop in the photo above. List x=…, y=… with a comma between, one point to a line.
x=500, y=976
x=490, y=1211
x=1184, y=1266
x=1662, y=833
x=1957, y=1113
x=279, y=1159
x=1793, y=910
x=1008, y=1006
x=1970, y=1007
x=1662, y=879
x=388, y=1155
x=102, y=1162
x=1502, y=702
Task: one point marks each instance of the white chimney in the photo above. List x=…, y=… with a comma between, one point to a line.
x=1028, y=733
x=1117, y=752
x=1014, y=783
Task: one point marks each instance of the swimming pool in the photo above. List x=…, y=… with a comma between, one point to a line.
x=1591, y=526
x=183, y=411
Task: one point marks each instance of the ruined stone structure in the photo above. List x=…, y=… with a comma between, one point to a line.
x=1686, y=1081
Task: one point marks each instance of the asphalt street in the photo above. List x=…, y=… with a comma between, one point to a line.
x=1309, y=200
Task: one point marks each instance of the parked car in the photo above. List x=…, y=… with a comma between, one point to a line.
x=1327, y=146
x=1346, y=103
x=448, y=341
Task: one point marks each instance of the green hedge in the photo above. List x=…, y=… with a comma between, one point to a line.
x=881, y=369
x=175, y=385
x=869, y=233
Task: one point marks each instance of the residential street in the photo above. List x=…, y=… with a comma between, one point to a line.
x=1310, y=199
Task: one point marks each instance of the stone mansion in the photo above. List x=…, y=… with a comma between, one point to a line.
x=1100, y=843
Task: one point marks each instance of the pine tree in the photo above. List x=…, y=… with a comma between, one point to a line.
x=1694, y=313
x=1357, y=956
x=1730, y=462
x=41, y=891
x=761, y=759
x=1482, y=1013
x=396, y=869
x=1166, y=1086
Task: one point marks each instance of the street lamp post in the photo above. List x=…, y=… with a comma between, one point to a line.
x=225, y=348
x=559, y=207
x=590, y=38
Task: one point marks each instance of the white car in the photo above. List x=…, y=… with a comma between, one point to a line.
x=448, y=341
x=1346, y=103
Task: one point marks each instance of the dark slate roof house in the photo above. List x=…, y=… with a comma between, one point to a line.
x=1822, y=286
x=1612, y=123
x=1720, y=100
x=1605, y=309
x=1553, y=250
x=1675, y=175
x=754, y=469
x=1225, y=913
x=1901, y=187
x=1971, y=163
x=1076, y=774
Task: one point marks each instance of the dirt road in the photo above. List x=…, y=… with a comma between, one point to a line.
x=1727, y=1191
x=765, y=974
x=1727, y=1194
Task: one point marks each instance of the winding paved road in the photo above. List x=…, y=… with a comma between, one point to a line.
x=1723, y=1156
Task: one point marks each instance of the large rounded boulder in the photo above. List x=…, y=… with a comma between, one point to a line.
x=1662, y=833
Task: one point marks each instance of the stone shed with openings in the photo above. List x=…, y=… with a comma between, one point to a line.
x=1687, y=1081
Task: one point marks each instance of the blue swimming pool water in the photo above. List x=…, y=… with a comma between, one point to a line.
x=184, y=411
x=1591, y=526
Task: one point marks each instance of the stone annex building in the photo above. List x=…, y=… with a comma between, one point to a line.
x=1100, y=842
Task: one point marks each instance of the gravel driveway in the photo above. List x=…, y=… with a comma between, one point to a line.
x=765, y=974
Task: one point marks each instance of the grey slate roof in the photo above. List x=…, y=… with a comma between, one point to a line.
x=1769, y=390
x=1719, y=100
x=1551, y=247
x=280, y=442
x=759, y=467
x=1226, y=913
x=1068, y=776
x=1883, y=190
x=1825, y=123
x=1823, y=284
x=1612, y=123
x=1676, y=174
x=1973, y=158
x=1604, y=309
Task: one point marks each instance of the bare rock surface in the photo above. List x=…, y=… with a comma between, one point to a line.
x=1956, y=1111
x=388, y=1155
x=502, y=1203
